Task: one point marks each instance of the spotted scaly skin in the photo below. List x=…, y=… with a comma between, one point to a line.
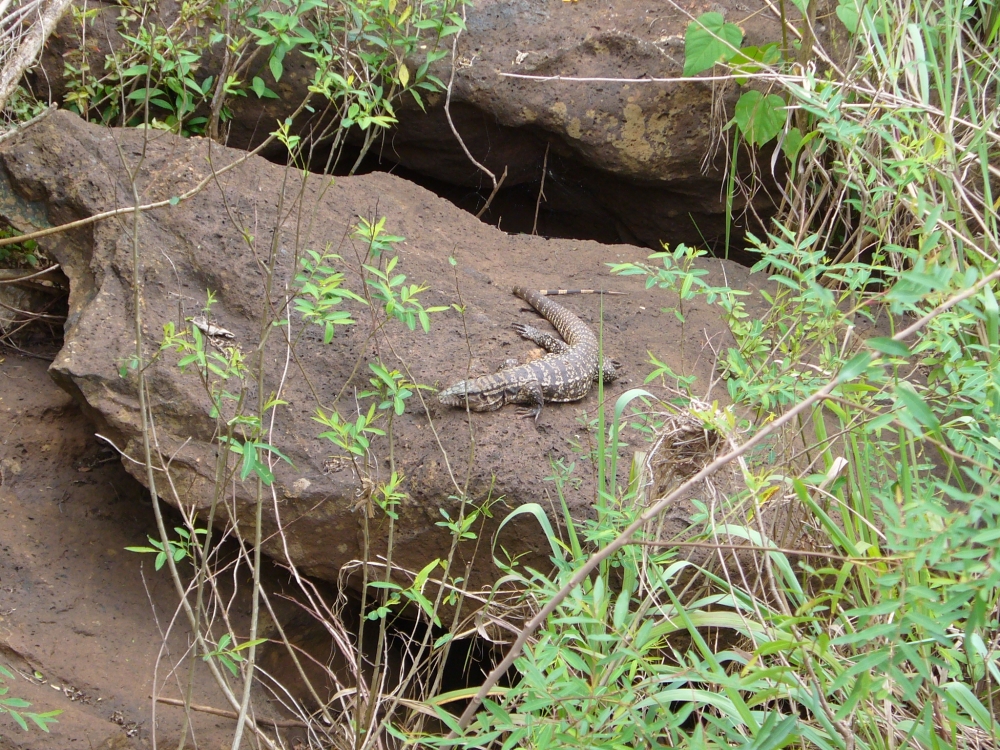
x=566, y=373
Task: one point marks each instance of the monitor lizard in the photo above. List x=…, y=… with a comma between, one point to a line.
x=566, y=373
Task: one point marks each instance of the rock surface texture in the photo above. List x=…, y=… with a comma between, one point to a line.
x=635, y=161
x=63, y=169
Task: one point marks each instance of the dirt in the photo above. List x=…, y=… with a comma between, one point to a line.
x=81, y=618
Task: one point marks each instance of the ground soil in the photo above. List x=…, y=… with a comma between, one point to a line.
x=81, y=619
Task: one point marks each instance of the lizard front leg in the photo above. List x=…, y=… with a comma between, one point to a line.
x=529, y=392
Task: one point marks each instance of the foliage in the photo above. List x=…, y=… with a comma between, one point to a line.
x=360, y=52
x=18, y=254
x=879, y=629
x=873, y=622
x=179, y=549
x=709, y=39
x=20, y=107
x=228, y=657
x=14, y=707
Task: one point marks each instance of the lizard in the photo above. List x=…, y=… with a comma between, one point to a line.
x=566, y=373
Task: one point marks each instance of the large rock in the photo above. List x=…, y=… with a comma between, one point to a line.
x=627, y=160
x=64, y=169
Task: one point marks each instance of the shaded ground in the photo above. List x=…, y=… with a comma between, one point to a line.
x=75, y=608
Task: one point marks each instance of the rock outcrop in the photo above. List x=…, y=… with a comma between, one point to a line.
x=223, y=238
x=629, y=159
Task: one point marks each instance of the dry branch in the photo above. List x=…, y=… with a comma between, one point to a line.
x=30, y=45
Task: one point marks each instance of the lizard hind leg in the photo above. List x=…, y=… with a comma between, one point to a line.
x=545, y=340
x=610, y=370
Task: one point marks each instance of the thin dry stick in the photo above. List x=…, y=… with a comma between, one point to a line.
x=280, y=723
x=454, y=130
x=541, y=188
x=14, y=277
x=147, y=442
x=625, y=537
x=31, y=45
x=213, y=174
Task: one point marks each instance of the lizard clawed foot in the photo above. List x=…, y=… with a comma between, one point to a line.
x=525, y=413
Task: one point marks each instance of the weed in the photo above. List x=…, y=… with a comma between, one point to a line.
x=14, y=707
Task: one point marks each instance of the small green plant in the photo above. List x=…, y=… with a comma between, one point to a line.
x=390, y=388
x=414, y=593
x=180, y=549
x=680, y=274
x=359, y=50
x=14, y=707
x=228, y=657
x=214, y=367
x=19, y=254
x=351, y=436
x=710, y=39
x=320, y=293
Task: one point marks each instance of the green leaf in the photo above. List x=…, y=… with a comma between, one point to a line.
x=249, y=460
x=140, y=94
x=709, y=39
x=248, y=644
x=773, y=734
x=760, y=118
x=276, y=68
x=275, y=451
x=536, y=510
x=848, y=14
x=42, y=721
x=17, y=717
x=965, y=698
x=174, y=200
x=261, y=89
x=792, y=143
x=228, y=664
x=857, y=365
x=889, y=346
x=917, y=407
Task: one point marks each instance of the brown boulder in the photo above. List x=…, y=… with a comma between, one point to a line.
x=64, y=169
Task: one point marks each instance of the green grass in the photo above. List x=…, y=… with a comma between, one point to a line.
x=877, y=626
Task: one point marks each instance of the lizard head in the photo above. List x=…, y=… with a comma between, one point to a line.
x=479, y=398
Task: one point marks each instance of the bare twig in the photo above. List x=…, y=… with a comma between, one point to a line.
x=541, y=189
x=280, y=723
x=213, y=175
x=8, y=276
x=30, y=46
x=447, y=113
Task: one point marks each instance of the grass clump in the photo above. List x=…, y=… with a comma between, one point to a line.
x=848, y=597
